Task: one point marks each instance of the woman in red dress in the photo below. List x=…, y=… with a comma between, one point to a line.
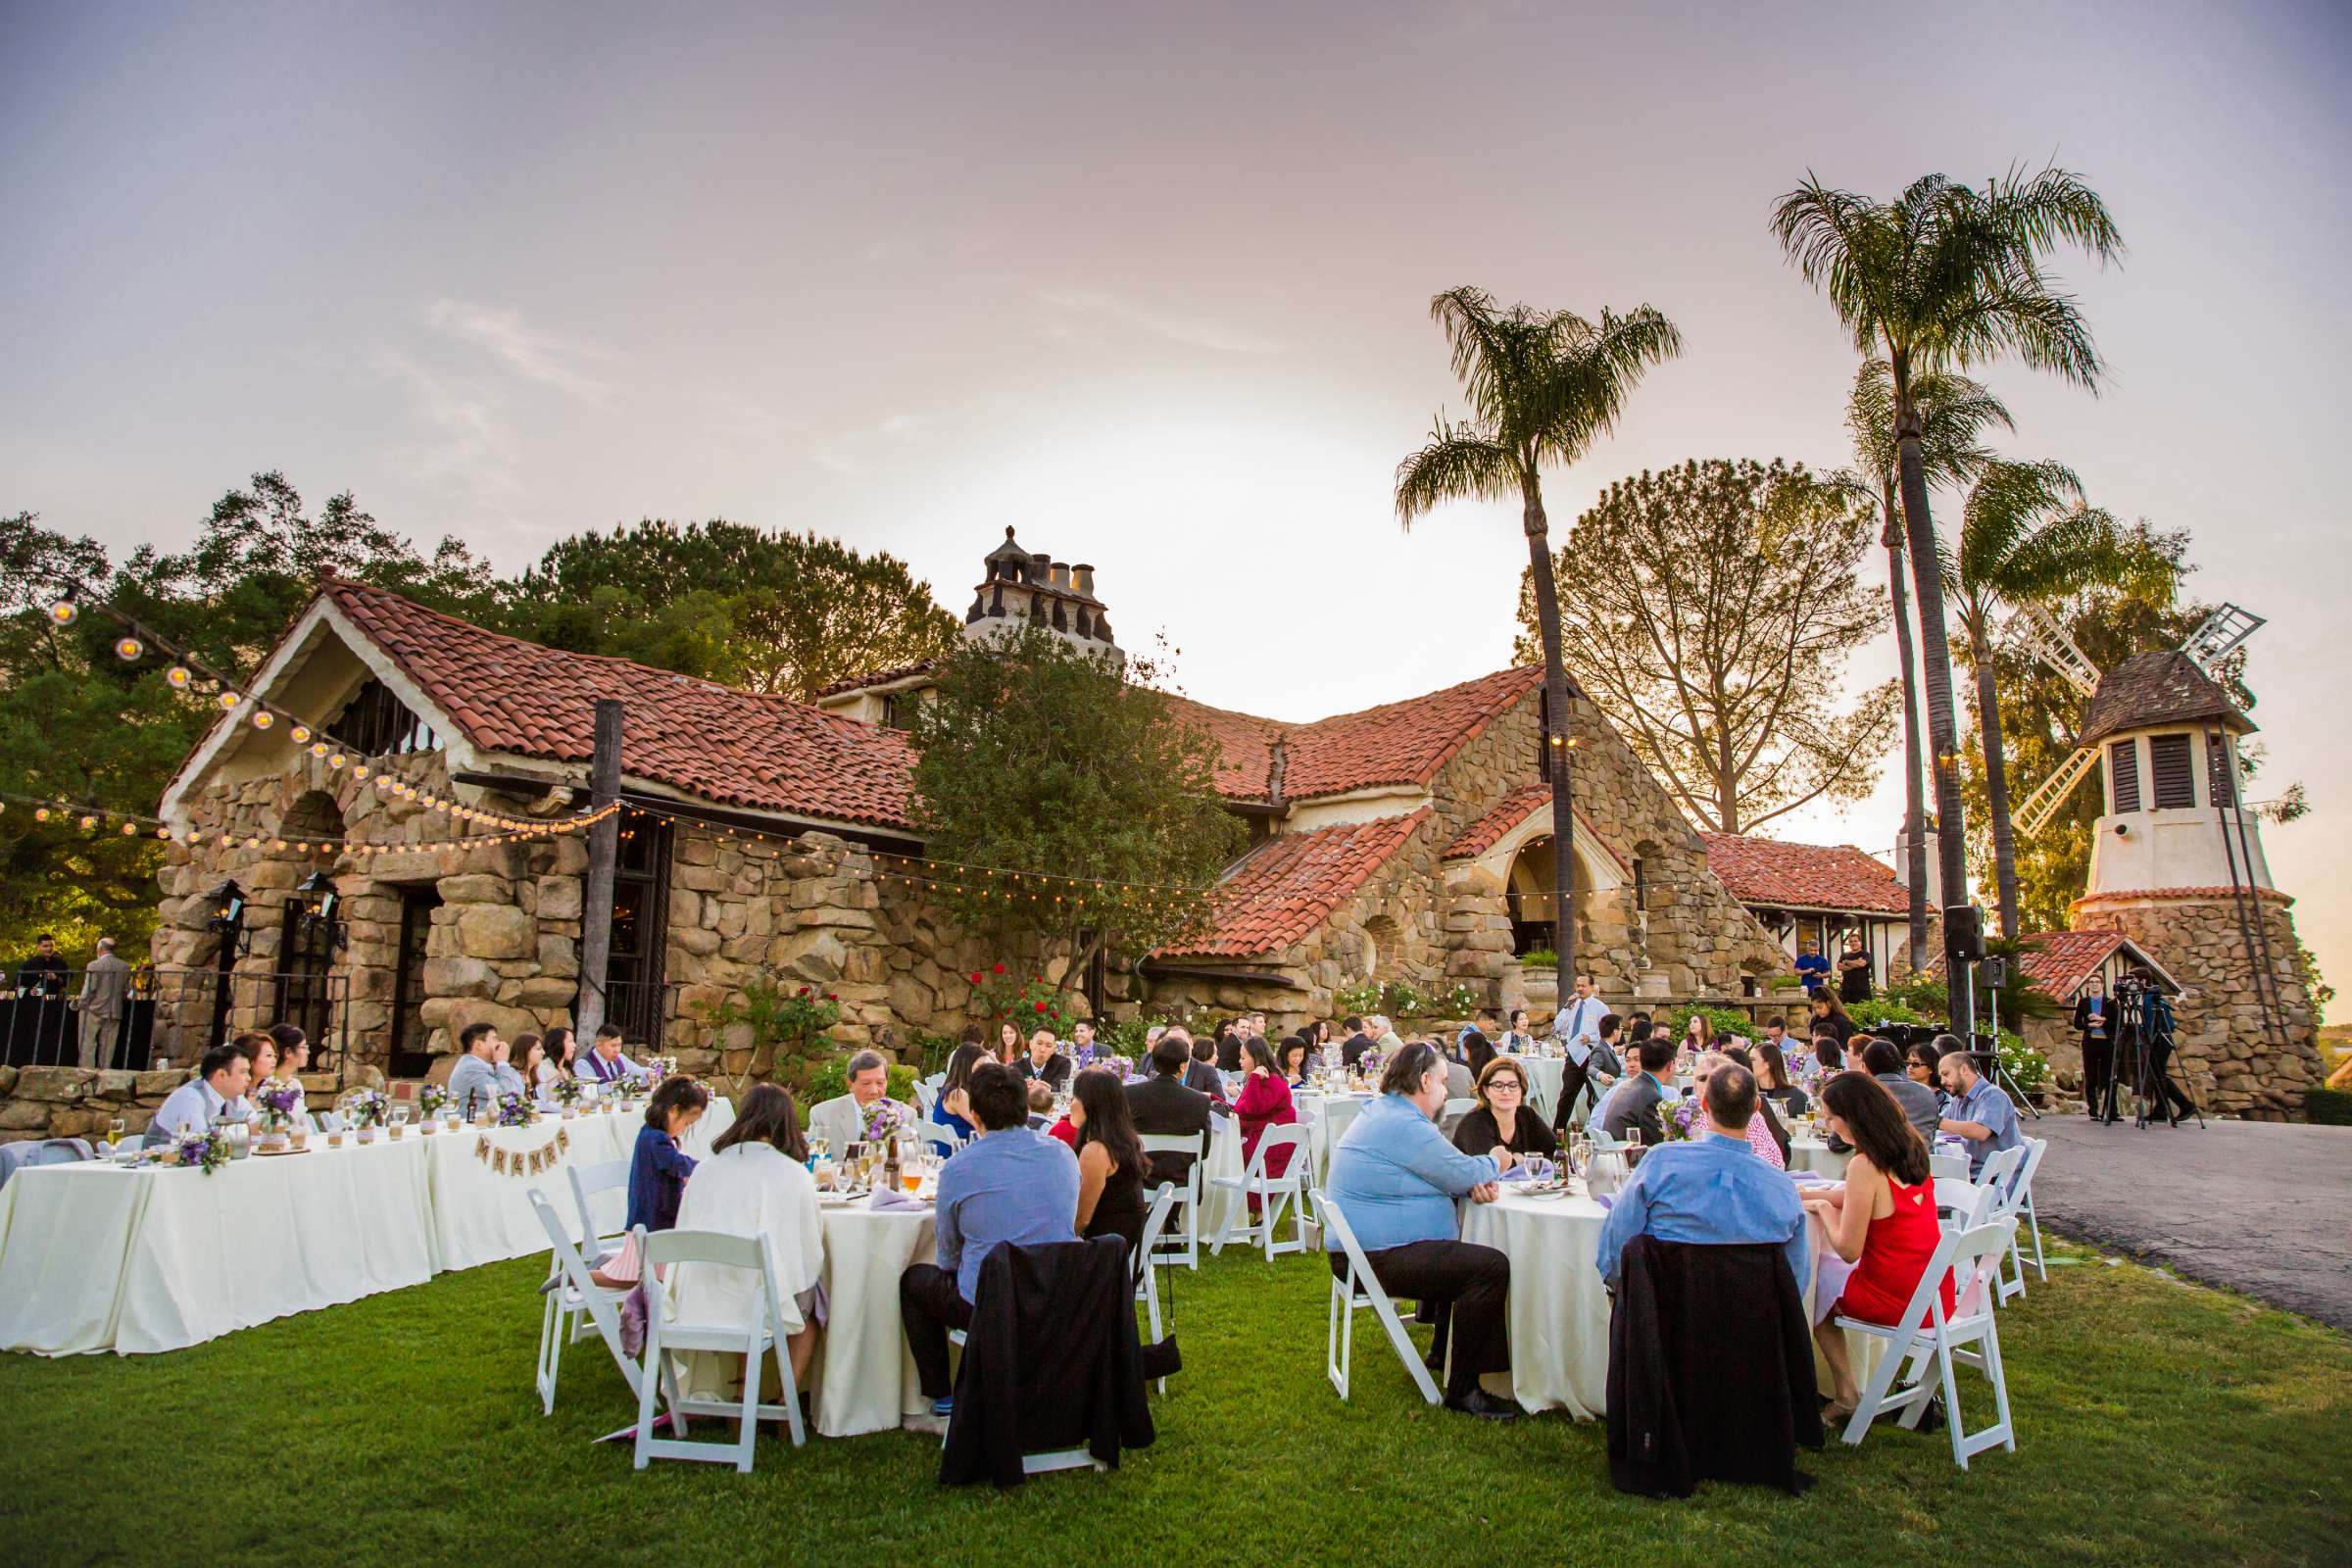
x=1264, y=1102
x=1885, y=1216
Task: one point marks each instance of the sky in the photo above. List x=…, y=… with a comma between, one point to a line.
x=1148, y=283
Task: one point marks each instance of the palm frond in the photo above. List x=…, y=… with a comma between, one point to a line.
x=1461, y=463
x=2054, y=208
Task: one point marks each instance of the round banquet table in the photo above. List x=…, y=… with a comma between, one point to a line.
x=1559, y=1310
x=863, y=1378
x=1816, y=1155
x=1332, y=1114
x=1224, y=1159
x=96, y=1256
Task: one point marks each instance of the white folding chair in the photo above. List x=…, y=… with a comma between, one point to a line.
x=941, y=1138
x=1185, y=1245
x=1970, y=1336
x=1998, y=1177
x=764, y=1335
x=587, y=1181
x=1147, y=1285
x=1272, y=1192
x=926, y=1095
x=576, y=1299
x=1962, y=1205
x=2021, y=1209
x=1350, y=1293
x=1455, y=1111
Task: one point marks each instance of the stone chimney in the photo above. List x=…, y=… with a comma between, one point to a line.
x=1059, y=596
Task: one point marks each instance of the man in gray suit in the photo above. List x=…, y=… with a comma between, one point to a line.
x=1633, y=1105
x=105, y=990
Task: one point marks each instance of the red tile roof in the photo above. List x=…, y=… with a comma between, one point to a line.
x=2126, y=895
x=1507, y=814
x=741, y=748
x=1290, y=884
x=876, y=677
x=1398, y=742
x=1246, y=765
x=2057, y=963
x=1804, y=876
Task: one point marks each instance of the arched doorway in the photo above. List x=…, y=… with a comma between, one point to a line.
x=1527, y=895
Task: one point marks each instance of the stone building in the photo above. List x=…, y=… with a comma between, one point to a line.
x=1408, y=841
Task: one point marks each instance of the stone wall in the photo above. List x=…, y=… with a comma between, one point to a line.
x=80, y=1102
x=2231, y=1062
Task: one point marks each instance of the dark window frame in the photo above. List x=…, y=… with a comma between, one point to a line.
x=2173, y=772
x=2123, y=775
x=375, y=723
x=417, y=902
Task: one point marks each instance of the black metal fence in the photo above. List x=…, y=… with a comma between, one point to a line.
x=150, y=1017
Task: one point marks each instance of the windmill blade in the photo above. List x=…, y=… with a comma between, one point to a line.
x=2034, y=630
x=2039, y=807
x=2221, y=632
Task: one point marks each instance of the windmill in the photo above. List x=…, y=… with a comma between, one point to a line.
x=2145, y=718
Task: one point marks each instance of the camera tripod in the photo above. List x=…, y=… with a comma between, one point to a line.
x=2146, y=1033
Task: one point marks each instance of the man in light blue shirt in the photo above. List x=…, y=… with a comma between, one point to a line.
x=1011, y=1185
x=479, y=1077
x=1980, y=1113
x=216, y=1093
x=1712, y=1190
x=1395, y=1180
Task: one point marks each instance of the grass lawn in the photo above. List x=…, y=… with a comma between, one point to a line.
x=2157, y=1422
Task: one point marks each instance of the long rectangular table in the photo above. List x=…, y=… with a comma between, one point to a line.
x=96, y=1256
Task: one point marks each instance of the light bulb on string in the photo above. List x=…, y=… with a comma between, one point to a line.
x=262, y=719
x=40, y=813
x=229, y=701
x=129, y=829
x=88, y=822
x=178, y=676
x=301, y=733
x=317, y=748
x=129, y=649
x=336, y=760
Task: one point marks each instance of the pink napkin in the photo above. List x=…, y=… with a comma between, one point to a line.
x=888, y=1202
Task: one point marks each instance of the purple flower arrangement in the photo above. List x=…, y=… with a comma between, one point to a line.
x=882, y=1118
x=1683, y=1120
x=514, y=1111
x=279, y=1099
x=207, y=1151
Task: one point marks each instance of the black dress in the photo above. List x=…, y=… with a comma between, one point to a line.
x=1119, y=1212
x=1477, y=1134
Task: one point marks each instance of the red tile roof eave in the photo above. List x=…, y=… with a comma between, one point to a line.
x=2127, y=895
x=1779, y=874
x=1493, y=828
x=1242, y=931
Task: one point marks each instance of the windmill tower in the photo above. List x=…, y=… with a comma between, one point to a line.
x=2177, y=862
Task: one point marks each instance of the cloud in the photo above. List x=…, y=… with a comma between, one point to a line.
x=1194, y=331
x=536, y=357
x=467, y=452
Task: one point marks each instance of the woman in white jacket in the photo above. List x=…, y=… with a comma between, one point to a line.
x=755, y=1184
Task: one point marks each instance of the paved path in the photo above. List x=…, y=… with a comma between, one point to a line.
x=2191, y=1199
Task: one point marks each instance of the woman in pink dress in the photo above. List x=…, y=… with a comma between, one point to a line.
x=1759, y=1133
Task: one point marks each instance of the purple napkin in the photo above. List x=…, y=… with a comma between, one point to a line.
x=1605, y=1200
x=890, y=1202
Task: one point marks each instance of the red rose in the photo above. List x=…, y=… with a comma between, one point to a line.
x=975, y=977
x=804, y=990
x=1000, y=969
x=1041, y=1006
x=830, y=996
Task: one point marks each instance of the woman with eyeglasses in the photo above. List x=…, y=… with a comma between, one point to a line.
x=1501, y=1119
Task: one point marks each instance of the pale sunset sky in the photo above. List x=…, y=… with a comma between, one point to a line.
x=1148, y=282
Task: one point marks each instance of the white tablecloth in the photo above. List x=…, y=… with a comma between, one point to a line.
x=1542, y=1083
x=864, y=1375
x=1815, y=1155
x=1559, y=1310
x=1224, y=1159
x=1333, y=1113
x=97, y=1258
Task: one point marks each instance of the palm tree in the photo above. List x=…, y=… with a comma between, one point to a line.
x=1541, y=385
x=1942, y=278
x=2025, y=535
x=1953, y=410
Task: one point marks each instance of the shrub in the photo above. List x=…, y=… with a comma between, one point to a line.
x=2329, y=1108
x=1718, y=1018
x=1539, y=958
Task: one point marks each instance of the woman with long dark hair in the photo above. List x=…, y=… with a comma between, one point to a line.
x=1264, y=1102
x=1774, y=1082
x=1885, y=1216
x=755, y=1183
x=1829, y=1011
x=1297, y=1060
x=950, y=1109
x=1111, y=1162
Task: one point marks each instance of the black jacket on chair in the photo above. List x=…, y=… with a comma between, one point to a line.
x=1051, y=1361
x=1702, y=1385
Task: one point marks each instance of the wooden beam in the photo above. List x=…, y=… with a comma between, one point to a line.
x=524, y=786
x=596, y=896
x=760, y=822
x=1197, y=971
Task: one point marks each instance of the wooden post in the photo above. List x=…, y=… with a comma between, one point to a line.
x=596, y=894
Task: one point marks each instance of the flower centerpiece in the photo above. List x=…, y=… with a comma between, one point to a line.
x=659, y=1068
x=514, y=1111
x=1683, y=1119
x=431, y=1101
x=565, y=1091
x=883, y=1118
x=208, y=1152
x=635, y=1084
x=366, y=1110
x=279, y=1100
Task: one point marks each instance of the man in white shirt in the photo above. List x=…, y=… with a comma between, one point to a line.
x=1578, y=1027
x=841, y=1120
x=605, y=1064
x=216, y=1093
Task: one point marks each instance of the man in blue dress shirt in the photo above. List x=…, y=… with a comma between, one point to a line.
x=1395, y=1179
x=1980, y=1113
x=1011, y=1184
x=1712, y=1190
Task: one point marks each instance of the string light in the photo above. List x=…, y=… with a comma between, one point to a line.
x=262, y=719
x=300, y=733
x=228, y=700
x=178, y=677
x=127, y=649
